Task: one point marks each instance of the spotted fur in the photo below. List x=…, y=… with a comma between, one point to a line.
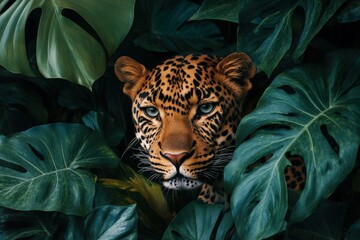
x=186, y=111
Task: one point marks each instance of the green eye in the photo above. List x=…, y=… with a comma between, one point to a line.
x=152, y=112
x=206, y=108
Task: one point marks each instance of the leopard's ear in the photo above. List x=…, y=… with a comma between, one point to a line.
x=235, y=72
x=132, y=73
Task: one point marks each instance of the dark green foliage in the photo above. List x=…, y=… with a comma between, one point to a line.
x=301, y=113
x=17, y=113
x=107, y=222
x=195, y=221
x=64, y=130
x=70, y=41
x=163, y=28
x=44, y=168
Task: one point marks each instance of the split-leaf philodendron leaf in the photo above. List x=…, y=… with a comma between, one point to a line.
x=73, y=38
x=104, y=222
x=195, y=221
x=272, y=30
x=163, y=26
x=45, y=168
x=312, y=111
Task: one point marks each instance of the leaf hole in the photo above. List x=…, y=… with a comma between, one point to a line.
x=274, y=127
x=12, y=166
x=297, y=23
x=258, y=163
x=332, y=142
x=37, y=153
x=7, y=6
x=287, y=89
x=289, y=114
x=31, y=31
x=81, y=22
x=295, y=175
x=176, y=234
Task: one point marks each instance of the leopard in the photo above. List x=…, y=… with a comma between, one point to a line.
x=186, y=111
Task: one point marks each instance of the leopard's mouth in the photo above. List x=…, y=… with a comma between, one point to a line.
x=182, y=183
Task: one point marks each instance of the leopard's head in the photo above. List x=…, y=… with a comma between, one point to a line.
x=186, y=111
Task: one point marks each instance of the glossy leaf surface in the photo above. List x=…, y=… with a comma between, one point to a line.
x=112, y=222
x=45, y=168
x=163, y=26
x=72, y=38
x=311, y=111
x=105, y=222
x=195, y=221
x=274, y=31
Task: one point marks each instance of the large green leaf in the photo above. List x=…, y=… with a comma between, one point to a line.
x=226, y=228
x=195, y=221
x=312, y=111
x=327, y=222
x=163, y=26
x=73, y=37
x=105, y=222
x=271, y=31
x=39, y=225
x=227, y=10
x=44, y=168
x=112, y=222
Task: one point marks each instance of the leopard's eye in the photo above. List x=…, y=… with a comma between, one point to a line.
x=151, y=112
x=206, y=108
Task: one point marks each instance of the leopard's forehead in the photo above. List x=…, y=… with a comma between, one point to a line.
x=181, y=81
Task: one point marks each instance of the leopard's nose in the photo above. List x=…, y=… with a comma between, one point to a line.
x=176, y=158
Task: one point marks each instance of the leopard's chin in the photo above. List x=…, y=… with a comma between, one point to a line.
x=182, y=183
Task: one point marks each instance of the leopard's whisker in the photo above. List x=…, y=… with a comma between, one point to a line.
x=131, y=144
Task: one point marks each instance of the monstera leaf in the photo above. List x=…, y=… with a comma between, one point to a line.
x=349, y=13
x=269, y=30
x=112, y=222
x=221, y=10
x=105, y=222
x=44, y=168
x=175, y=33
x=39, y=225
x=193, y=222
x=312, y=111
x=73, y=38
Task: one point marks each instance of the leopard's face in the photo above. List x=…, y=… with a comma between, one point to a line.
x=185, y=113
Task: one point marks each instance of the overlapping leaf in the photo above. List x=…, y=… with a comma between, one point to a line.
x=44, y=168
x=195, y=221
x=216, y=9
x=271, y=31
x=105, y=222
x=39, y=225
x=312, y=111
x=163, y=26
x=112, y=222
x=70, y=36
